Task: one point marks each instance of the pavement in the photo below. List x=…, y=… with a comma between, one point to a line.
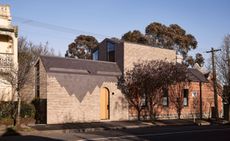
x=108, y=125
x=101, y=126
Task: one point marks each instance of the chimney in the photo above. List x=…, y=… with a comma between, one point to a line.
x=5, y=18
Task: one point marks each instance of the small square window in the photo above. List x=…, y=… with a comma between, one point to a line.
x=194, y=94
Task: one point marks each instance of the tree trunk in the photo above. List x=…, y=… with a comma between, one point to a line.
x=179, y=114
x=228, y=112
x=18, y=111
x=138, y=114
x=150, y=108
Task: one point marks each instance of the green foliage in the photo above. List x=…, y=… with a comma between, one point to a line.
x=135, y=37
x=171, y=37
x=8, y=109
x=160, y=35
x=199, y=59
x=190, y=61
x=27, y=110
x=82, y=47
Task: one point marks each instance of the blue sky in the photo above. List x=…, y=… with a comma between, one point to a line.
x=207, y=20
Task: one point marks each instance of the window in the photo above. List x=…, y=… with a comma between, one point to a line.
x=194, y=94
x=37, y=81
x=95, y=55
x=185, y=94
x=165, y=97
x=144, y=101
x=110, y=52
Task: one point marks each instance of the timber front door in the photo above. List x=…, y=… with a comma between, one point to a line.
x=104, y=104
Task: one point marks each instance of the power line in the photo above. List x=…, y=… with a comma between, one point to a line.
x=56, y=27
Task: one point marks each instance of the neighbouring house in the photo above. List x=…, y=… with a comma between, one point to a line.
x=198, y=87
x=76, y=90
x=8, y=50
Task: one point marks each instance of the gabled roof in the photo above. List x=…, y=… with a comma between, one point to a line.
x=195, y=75
x=82, y=66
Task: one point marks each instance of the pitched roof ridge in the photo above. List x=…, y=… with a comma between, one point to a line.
x=77, y=59
x=190, y=69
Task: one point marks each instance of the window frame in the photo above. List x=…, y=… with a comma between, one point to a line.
x=37, y=80
x=186, y=96
x=165, y=98
x=108, y=51
x=96, y=53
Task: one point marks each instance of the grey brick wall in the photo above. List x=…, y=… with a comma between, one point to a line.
x=134, y=53
x=76, y=98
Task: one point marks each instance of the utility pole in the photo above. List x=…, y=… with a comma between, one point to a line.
x=201, y=110
x=212, y=51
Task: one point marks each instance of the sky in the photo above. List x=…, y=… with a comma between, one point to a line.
x=59, y=22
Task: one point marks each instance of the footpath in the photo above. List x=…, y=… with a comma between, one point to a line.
x=100, y=126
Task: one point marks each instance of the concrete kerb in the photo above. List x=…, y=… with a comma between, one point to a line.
x=83, y=130
x=113, y=126
x=202, y=123
x=94, y=129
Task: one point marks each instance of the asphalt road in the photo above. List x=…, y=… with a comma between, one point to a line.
x=182, y=133
x=177, y=133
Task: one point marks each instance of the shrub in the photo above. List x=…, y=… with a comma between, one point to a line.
x=8, y=109
x=27, y=110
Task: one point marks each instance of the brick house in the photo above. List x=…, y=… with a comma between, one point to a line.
x=198, y=87
x=125, y=54
x=76, y=90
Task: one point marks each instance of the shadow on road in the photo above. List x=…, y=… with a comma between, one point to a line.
x=12, y=135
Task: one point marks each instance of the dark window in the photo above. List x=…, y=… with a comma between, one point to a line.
x=165, y=101
x=185, y=100
x=37, y=81
x=110, y=52
x=95, y=55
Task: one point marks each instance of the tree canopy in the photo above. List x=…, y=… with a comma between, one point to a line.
x=135, y=36
x=147, y=80
x=223, y=66
x=199, y=59
x=160, y=35
x=82, y=47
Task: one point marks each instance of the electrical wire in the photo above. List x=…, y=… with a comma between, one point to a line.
x=56, y=27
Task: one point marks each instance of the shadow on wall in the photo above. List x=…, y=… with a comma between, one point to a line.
x=121, y=105
x=79, y=85
x=12, y=135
